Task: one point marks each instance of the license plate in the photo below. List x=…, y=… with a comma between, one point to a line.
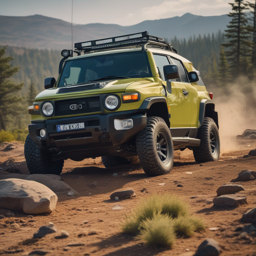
x=70, y=127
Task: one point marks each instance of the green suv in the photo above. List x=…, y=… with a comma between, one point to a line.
x=121, y=97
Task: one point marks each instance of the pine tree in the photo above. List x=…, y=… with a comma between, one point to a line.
x=224, y=75
x=252, y=29
x=32, y=92
x=238, y=37
x=9, y=102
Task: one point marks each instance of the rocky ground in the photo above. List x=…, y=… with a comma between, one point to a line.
x=87, y=222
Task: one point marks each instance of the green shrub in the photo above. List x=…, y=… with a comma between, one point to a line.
x=158, y=231
x=15, y=135
x=6, y=136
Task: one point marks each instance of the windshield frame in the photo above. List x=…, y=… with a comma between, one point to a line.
x=107, y=79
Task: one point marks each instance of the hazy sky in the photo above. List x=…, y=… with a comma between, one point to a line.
x=122, y=12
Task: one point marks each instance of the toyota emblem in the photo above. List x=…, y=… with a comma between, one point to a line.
x=75, y=106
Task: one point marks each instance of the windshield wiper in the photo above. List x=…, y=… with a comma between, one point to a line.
x=109, y=77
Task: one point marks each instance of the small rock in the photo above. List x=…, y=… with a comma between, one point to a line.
x=229, y=201
x=252, y=152
x=189, y=172
x=71, y=193
x=123, y=194
x=249, y=229
x=208, y=247
x=180, y=186
x=229, y=189
x=85, y=221
x=116, y=198
x=65, y=249
x=245, y=175
x=79, y=209
x=238, y=229
x=144, y=190
x=249, y=216
x=15, y=226
x=245, y=156
x=214, y=229
x=193, y=197
x=83, y=233
x=9, y=147
x=208, y=201
x=39, y=252
x=10, y=214
x=244, y=235
x=30, y=216
x=92, y=232
x=63, y=234
x=115, y=174
x=75, y=244
x=11, y=251
x=45, y=230
x=161, y=184
x=117, y=207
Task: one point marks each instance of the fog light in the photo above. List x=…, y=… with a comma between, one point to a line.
x=124, y=124
x=42, y=133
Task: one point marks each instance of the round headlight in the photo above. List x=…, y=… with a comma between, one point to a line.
x=47, y=109
x=111, y=102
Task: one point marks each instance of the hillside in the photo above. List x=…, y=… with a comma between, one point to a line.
x=49, y=33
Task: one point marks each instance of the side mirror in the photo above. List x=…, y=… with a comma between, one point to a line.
x=171, y=72
x=193, y=77
x=49, y=82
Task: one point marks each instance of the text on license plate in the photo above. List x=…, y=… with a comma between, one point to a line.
x=70, y=127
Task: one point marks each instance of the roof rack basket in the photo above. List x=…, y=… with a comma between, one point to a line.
x=138, y=39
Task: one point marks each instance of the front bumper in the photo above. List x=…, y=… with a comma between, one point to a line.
x=99, y=131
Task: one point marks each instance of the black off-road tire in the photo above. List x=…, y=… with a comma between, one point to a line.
x=113, y=161
x=209, y=149
x=153, y=140
x=38, y=160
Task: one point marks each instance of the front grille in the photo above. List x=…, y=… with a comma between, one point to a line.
x=77, y=106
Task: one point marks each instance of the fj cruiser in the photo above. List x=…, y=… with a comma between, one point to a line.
x=125, y=96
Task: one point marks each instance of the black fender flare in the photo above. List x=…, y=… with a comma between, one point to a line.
x=149, y=102
x=207, y=109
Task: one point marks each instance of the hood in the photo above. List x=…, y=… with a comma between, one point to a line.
x=113, y=86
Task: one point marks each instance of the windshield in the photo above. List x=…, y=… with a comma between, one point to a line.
x=111, y=66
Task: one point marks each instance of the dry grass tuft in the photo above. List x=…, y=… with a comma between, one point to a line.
x=158, y=231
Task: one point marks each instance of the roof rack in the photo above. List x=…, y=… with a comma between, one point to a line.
x=138, y=39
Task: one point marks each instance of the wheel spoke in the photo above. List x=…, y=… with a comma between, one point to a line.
x=162, y=154
x=161, y=141
x=163, y=149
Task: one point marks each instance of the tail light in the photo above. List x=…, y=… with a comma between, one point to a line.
x=211, y=95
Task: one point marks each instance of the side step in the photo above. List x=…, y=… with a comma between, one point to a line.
x=182, y=142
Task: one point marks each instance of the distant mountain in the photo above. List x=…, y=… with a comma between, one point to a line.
x=43, y=32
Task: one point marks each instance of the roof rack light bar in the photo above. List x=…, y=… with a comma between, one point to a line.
x=141, y=38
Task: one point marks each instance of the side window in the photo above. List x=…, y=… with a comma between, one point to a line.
x=182, y=72
x=161, y=61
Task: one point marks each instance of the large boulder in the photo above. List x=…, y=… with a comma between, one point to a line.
x=27, y=196
x=249, y=216
x=229, y=201
x=229, y=189
x=53, y=182
x=209, y=247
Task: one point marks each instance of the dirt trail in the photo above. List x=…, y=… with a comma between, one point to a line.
x=95, y=184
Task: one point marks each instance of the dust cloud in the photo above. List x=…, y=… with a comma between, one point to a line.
x=236, y=105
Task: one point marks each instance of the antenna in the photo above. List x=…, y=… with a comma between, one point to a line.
x=72, y=26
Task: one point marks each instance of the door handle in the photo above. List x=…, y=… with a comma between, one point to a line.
x=185, y=92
